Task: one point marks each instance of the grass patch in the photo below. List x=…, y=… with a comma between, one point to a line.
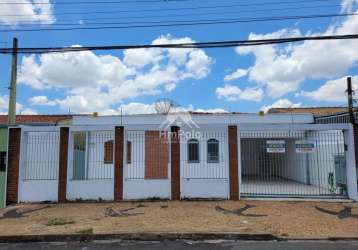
x=85, y=231
x=59, y=222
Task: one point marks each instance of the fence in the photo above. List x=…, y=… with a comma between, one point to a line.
x=39, y=164
x=204, y=163
x=93, y=155
x=91, y=164
x=273, y=161
x=293, y=163
x=147, y=164
x=41, y=155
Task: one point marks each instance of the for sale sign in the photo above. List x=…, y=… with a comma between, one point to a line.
x=275, y=146
x=304, y=146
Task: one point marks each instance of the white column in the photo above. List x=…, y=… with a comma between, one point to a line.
x=351, y=164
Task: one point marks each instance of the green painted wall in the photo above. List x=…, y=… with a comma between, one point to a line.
x=2, y=189
x=3, y=139
x=3, y=147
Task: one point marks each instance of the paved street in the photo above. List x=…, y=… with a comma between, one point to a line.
x=174, y=245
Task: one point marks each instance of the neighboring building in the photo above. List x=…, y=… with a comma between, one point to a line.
x=316, y=111
x=38, y=120
x=223, y=156
x=33, y=120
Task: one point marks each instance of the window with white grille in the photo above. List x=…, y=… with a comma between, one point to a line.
x=213, y=151
x=193, y=151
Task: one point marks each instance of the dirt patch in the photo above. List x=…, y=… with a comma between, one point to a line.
x=239, y=212
x=289, y=219
x=344, y=213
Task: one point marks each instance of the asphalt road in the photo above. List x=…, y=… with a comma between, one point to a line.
x=175, y=245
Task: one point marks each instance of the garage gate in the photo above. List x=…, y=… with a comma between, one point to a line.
x=293, y=164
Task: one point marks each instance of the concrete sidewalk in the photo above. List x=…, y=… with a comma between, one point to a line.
x=272, y=219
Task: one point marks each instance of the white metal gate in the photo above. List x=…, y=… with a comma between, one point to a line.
x=91, y=164
x=39, y=165
x=204, y=164
x=147, y=165
x=291, y=163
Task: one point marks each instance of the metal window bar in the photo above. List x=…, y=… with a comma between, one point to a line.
x=41, y=156
x=193, y=151
x=320, y=173
x=91, y=155
x=202, y=169
x=213, y=151
x=136, y=169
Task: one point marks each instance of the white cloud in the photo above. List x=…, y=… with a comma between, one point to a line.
x=142, y=108
x=236, y=75
x=347, y=5
x=101, y=82
x=281, y=103
x=27, y=11
x=137, y=108
x=281, y=69
x=234, y=93
x=41, y=101
x=20, y=109
x=331, y=91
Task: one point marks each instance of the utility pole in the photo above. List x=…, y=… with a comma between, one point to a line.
x=350, y=100
x=12, y=88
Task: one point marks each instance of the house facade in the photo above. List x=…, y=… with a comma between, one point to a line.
x=182, y=156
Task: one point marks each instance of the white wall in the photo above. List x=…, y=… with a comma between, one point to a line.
x=295, y=167
x=144, y=189
x=90, y=189
x=38, y=191
x=321, y=162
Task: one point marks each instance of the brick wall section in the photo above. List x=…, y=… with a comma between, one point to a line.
x=233, y=163
x=118, y=163
x=175, y=163
x=63, y=163
x=156, y=155
x=13, y=165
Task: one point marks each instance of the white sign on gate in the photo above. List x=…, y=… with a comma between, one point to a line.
x=304, y=146
x=275, y=146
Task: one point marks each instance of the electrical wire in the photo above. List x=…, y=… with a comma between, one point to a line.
x=91, y=2
x=27, y=22
x=215, y=44
x=183, y=23
x=171, y=9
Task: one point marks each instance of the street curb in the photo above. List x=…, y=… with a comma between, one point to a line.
x=137, y=236
x=160, y=237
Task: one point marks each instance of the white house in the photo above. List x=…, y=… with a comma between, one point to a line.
x=225, y=156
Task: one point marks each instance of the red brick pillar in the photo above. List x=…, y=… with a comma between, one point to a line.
x=175, y=163
x=63, y=163
x=13, y=166
x=233, y=163
x=118, y=163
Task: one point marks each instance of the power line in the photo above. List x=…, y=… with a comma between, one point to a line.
x=171, y=9
x=92, y=2
x=183, y=23
x=215, y=44
x=24, y=22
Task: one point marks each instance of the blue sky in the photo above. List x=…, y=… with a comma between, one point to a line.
x=230, y=79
